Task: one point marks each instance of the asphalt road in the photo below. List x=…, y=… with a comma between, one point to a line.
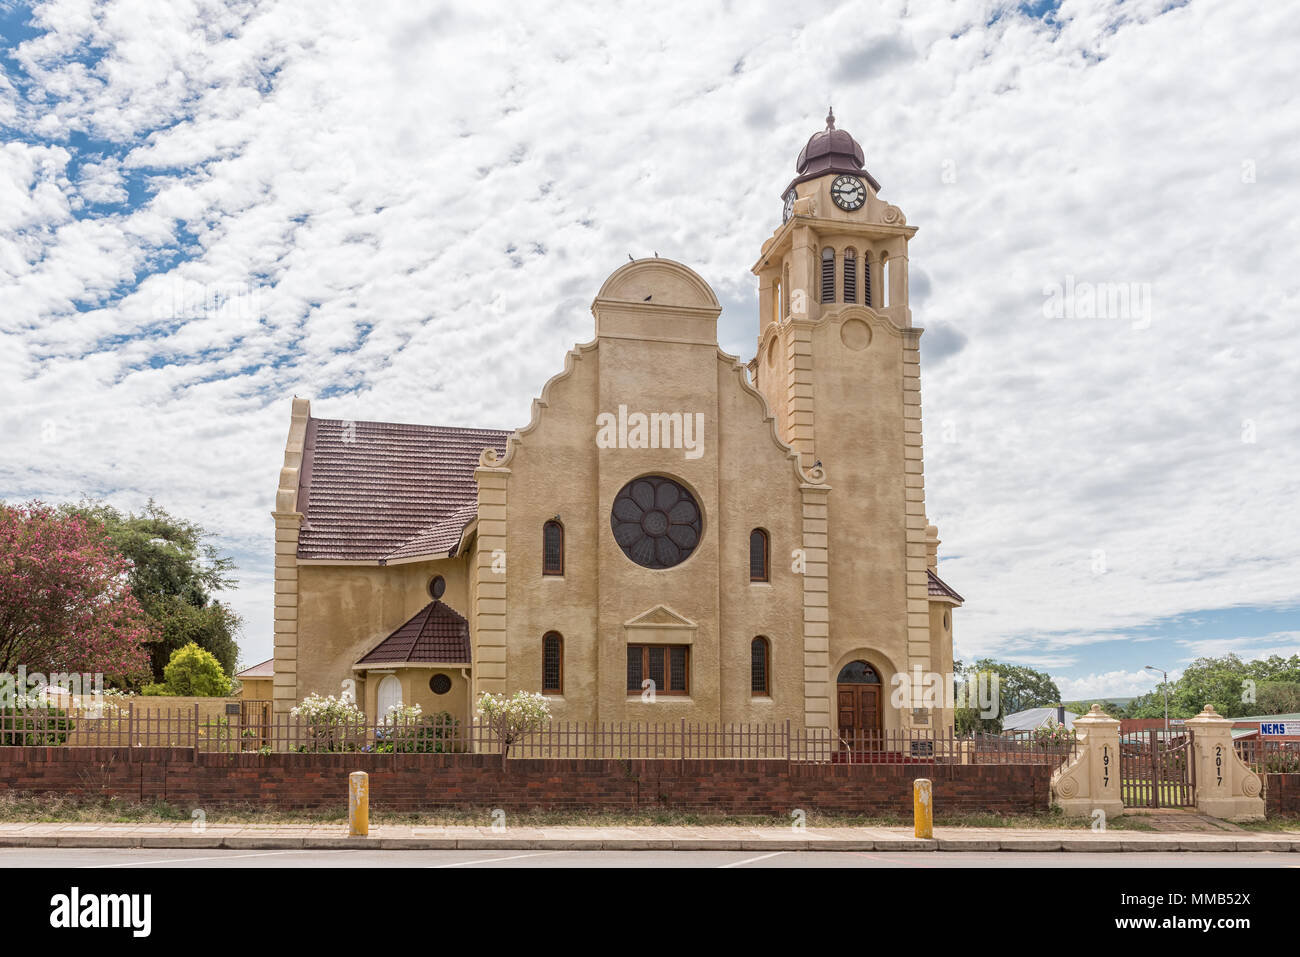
x=144, y=857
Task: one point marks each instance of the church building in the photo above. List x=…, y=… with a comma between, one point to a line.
x=675, y=534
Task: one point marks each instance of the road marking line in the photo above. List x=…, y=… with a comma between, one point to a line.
x=494, y=860
x=751, y=860
x=191, y=860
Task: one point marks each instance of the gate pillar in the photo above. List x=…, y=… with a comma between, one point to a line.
x=1225, y=786
x=1089, y=781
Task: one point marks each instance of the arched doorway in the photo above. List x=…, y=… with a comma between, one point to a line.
x=389, y=695
x=858, y=695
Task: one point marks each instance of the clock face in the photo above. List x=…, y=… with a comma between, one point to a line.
x=848, y=192
x=789, y=206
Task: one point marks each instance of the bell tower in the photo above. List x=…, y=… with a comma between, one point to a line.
x=839, y=363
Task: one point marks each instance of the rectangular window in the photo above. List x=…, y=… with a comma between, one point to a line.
x=668, y=666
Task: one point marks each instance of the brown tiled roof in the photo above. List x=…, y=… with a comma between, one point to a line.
x=938, y=588
x=380, y=490
x=436, y=634
x=264, y=669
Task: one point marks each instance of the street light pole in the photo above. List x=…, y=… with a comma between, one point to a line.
x=1164, y=687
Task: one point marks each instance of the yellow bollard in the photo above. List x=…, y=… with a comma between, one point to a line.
x=358, y=804
x=923, y=807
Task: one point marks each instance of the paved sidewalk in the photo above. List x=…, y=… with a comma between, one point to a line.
x=409, y=837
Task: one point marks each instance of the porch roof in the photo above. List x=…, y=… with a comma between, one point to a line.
x=435, y=635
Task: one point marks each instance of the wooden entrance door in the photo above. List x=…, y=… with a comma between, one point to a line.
x=858, y=705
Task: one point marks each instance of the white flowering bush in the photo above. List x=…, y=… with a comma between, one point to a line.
x=401, y=714
x=333, y=723
x=406, y=729
x=513, y=717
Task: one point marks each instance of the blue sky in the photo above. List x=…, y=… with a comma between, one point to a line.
x=404, y=213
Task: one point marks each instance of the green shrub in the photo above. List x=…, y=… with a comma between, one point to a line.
x=195, y=672
x=154, y=688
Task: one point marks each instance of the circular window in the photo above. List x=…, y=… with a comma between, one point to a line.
x=656, y=522
x=439, y=684
x=437, y=586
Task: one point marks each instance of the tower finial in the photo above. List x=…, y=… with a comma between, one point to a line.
x=830, y=117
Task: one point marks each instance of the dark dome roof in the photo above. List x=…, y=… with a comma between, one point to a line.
x=831, y=151
x=829, y=148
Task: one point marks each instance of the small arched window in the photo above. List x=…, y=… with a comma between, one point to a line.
x=884, y=281
x=850, y=275
x=553, y=548
x=866, y=279
x=759, y=670
x=828, y=275
x=552, y=663
x=759, y=556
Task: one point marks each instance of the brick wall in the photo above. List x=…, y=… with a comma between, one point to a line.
x=426, y=781
x=1283, y=794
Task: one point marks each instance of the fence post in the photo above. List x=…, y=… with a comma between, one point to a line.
x=130, y=730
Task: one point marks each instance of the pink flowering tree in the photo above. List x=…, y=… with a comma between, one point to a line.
x=65, y=603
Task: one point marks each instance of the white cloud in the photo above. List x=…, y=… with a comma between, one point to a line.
x=426, y=199
x=1110, y=684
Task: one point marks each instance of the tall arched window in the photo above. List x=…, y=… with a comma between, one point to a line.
x=760, y=678
x=866, y=279
x=552, y=663
x=884, y=281
x=850, y=275
x=759, y=556
x=553, y=548
x=828, y=275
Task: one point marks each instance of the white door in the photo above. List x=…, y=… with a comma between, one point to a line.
x=389, y=694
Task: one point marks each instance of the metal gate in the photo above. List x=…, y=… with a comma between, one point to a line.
x=1157, y=769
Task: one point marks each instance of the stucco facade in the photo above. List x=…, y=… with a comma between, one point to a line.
x=656, y=457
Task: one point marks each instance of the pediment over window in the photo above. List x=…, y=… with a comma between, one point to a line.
x=660, y=625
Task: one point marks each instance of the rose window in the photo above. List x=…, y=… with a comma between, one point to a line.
x=656, y=522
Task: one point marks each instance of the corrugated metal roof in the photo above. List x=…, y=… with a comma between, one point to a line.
x=1035, y=718
x=436, y=634
x=380, y=490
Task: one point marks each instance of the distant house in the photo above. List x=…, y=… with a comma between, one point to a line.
x=1035, y=718
x=256, y=681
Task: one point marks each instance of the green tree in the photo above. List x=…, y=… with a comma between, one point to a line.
x=195, y=672
x=174, y=574
x=1152, y=705
x=1216, y=681
x=1018, y=688
x=1278, y=697
x=1275, y=668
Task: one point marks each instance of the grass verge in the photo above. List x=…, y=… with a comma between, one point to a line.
x=74, y=810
